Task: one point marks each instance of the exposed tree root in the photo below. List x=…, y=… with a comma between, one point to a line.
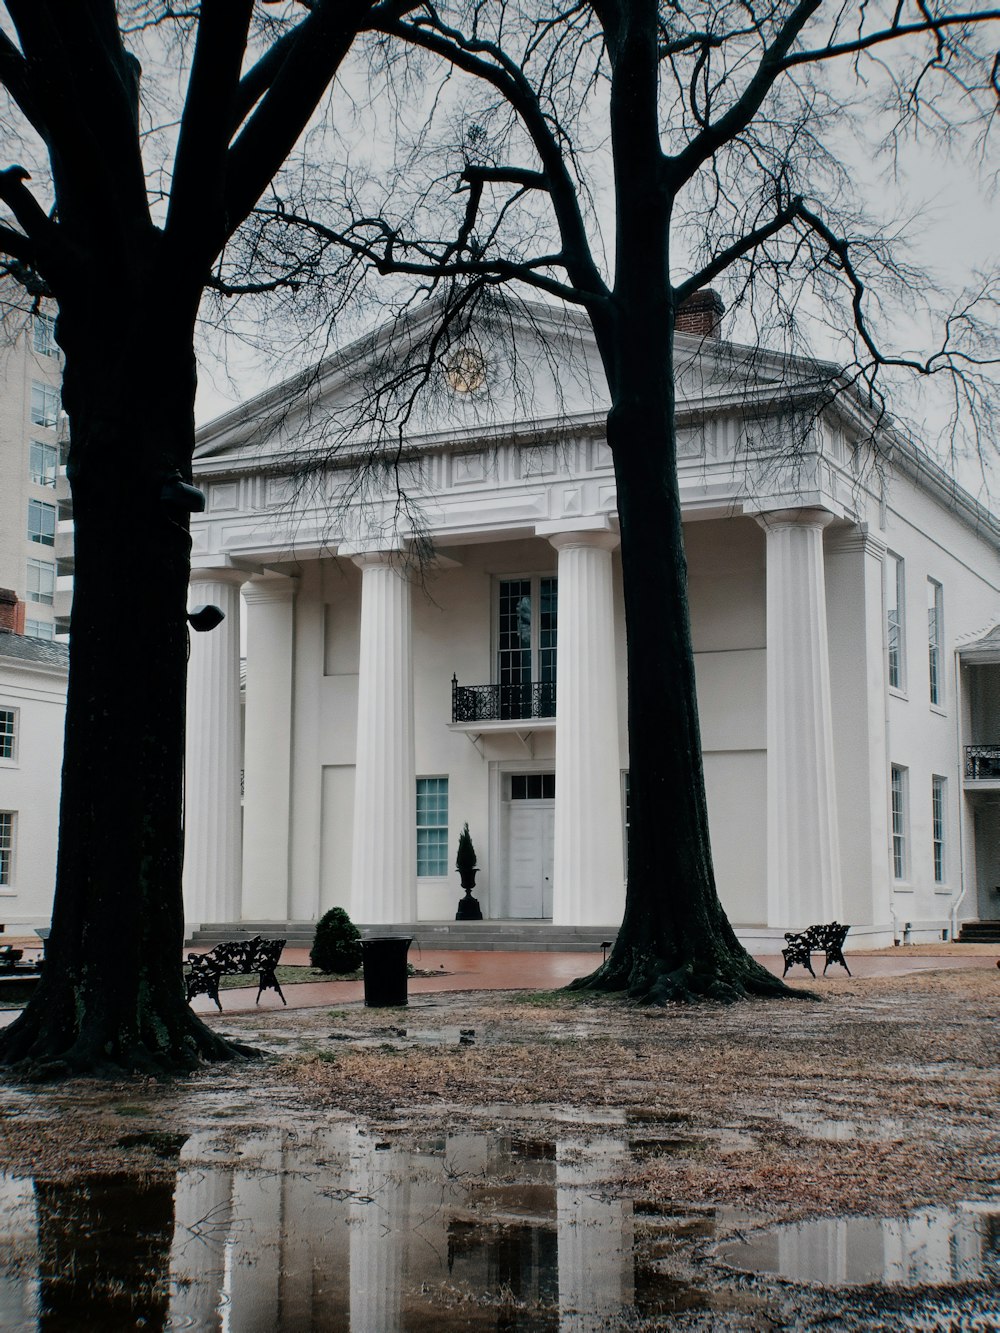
x=45, y=1044
x=648, y=978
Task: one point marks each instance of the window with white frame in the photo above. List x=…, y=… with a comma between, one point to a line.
x=44, y=404
x=432, y=826
x=43, y=463
x=41, y=522
x=898, y=806
x=937, y=826
x=41, y=582
x=6, y=848
x=39, y=629
x=527, y=641
x=43, y=335
x=895, y=588
x=935, y=636
x=8, y=733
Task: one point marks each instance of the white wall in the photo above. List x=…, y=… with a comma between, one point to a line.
x=921, y=737
x=29, y=785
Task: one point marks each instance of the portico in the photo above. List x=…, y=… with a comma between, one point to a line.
x=390, y=700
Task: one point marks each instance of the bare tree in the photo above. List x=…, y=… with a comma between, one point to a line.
x=713, y=128
x=140, y=185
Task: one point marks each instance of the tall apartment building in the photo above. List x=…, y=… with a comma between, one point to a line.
x=35, y=530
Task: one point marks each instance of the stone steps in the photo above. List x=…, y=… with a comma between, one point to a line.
x=980, y=932
x=477, y=935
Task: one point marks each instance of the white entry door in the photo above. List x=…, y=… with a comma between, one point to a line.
x=530, y=840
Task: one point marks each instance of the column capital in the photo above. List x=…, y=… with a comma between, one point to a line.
x=280, y=588
x=219, y=574
x=392, y=559
x=569, y=541
x=805, y=517
x=858, y=538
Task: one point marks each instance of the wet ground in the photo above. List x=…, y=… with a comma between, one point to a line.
x=508, y=1162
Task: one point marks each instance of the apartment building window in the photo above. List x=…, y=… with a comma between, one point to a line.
x=432, y=826
x=937, y=826
x=935, y=627
x=41, y=522
x=895, y=620
x=44, y=335
x=44, y=404
x=6, y=848
x=8, y=733
x=43, y=463
x=41, y=582
x=898, y=804
x=39, y=629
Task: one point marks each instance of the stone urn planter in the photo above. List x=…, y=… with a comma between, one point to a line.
x=465, y=864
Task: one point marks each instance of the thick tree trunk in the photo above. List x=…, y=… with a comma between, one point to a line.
x=675, y=942
x=111, y=995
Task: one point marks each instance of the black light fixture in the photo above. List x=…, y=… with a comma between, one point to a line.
x=178, y=494
x=205, y=618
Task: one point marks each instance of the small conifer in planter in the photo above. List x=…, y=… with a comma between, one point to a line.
x=465, y=864
x=465, y=861
x=336, y=944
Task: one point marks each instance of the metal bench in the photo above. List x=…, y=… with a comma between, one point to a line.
x=827, y=939
x=234, y=958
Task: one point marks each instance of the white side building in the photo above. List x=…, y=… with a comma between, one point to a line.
x=844, y=611
x=33, y=674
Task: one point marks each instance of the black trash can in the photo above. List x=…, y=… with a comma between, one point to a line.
x=384, y=963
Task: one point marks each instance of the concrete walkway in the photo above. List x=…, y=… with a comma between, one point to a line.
x=524, y=970
x=454, y=970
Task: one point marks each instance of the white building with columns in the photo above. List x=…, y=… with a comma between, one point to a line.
x=839, y=586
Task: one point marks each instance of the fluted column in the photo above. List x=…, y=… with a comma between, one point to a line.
x=803, y=852
x=588, y=870
x=267, y=748
x=384, y=864
x=212, y=862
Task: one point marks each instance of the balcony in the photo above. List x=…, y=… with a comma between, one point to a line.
x=982, y=763
x=478, y=704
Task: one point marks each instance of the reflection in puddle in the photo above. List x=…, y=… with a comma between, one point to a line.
x=339, y=1230
x=932, y=1247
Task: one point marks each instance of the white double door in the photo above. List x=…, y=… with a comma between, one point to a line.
x=530, y=842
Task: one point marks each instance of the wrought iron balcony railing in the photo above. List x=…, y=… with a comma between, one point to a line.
x=502, y=703
x=982, y=761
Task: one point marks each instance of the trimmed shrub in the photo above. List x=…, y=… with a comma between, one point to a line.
x=336, y=944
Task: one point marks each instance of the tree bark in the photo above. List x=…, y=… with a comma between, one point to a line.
x=111, y=997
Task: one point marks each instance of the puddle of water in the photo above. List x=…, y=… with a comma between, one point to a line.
x=932, y=1247
x=339, y=1229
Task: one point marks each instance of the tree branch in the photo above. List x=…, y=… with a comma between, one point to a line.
x=207, y=121
x=744, y=246
x=891, y=34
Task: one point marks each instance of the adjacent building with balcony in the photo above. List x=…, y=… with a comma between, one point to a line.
x=35, y=530
x=844, y=594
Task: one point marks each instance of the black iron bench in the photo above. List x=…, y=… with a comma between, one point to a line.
x=234, y=958
x=826, y=939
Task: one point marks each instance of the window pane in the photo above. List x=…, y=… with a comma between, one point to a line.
x=8, y=718
x=894, y=620
x=898, y=791
x=44, y=461
x=44, y=404
x=41, y=522
x=44, y=335
x=39, y=629
x=41, y=582
x=6, y=846
x=432, y=826
x=934, y=607
x=937, y=827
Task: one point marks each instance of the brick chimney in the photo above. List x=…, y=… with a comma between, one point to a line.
x=701, y=314
x=11, y=613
